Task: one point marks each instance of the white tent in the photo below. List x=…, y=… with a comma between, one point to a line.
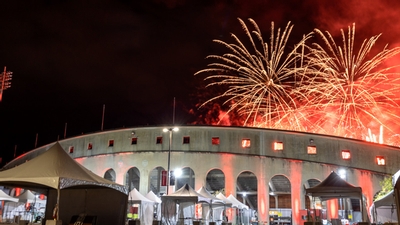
x=145, y=206
x=228, y=204
x=150, y=195
x=242, y=210
x=213, y=210
x=384, y=209
x=28, y=197
x=71, y=186
x=236, y=203
x=6, y=197
x=181, y=205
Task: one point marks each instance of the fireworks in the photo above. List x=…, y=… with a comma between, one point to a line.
x=323, y=88
x=260, y=82
x=351, y=89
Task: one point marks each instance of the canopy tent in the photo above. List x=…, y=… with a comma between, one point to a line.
x=236, y=203
x=396, y=190
x=181, y=203
x=384, y=209
x=6, y=197
x=157, y=202
x=146, y=208
x=66, y=184
x=216, y=206
x=243, y=216
x=28, y=197
x=334, y=187
x=228, y=204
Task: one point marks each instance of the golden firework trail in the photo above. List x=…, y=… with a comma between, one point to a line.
x=259, y=80
x=321, y=88
x=351, y=89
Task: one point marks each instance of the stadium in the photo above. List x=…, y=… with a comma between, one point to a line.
x=266, y=169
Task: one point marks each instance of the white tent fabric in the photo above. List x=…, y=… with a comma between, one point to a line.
x=28, y=197
x=145, y=205
x=150, y=195
x=384, y=209
x=213, y=210
x=181, y=205
x=228, y=204
x=6, y=197
x=236, y=203
x=56, y=173
x=153, y=197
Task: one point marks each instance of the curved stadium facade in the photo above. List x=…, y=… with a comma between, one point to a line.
x=266, y=169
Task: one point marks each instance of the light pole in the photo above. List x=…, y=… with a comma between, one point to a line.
x=342, y=174
x=169, y=130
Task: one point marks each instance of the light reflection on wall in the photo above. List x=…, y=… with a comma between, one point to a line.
x=230, y=180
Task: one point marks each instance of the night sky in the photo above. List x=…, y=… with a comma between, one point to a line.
x=69, y=58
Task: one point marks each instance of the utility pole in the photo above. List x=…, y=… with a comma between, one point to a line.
x=5, y=81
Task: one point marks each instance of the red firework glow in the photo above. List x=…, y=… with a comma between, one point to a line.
x=342, y=90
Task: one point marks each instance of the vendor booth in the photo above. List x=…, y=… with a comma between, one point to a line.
x=140, y=208
x=179, y=207
x=334, y=187
x=384, y=209
x=212, y=211
x=71, y=189
x=157, y=205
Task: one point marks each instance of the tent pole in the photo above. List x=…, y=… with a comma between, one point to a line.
x=58, y=203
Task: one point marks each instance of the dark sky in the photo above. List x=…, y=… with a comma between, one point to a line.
x=69, y=58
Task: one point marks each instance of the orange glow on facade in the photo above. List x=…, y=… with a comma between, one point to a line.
x=364, y=180
x=296, y=188
x=332, y=208
x=227, y=165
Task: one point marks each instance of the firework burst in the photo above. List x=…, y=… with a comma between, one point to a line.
x=350, y=89
x=260, y=81
x=321, y=88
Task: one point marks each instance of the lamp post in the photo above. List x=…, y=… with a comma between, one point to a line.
x=342, y=174
x=169, y=130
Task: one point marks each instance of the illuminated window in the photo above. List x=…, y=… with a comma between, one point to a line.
x=159, y=140
x=215, y=140
x=71, y=149
x=186, y=140
x=110, y=143
x=246, y=143
x=278, y=146
x=380, y=160
x=312, y=150
x=346, y=154
x=89, y=146
x=134, y=141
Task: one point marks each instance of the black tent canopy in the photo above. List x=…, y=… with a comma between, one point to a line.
x=334, y=187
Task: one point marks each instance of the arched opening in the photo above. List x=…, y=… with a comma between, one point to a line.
x=280, y=201
x=186, y=177
x=215, y=181
x=110, y=175
x=132, y=179
x=155, y=181
x=246, y=192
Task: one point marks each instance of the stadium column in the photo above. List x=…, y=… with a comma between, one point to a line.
x=297, y=191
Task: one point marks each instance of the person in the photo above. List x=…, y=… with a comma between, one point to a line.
x=55, y=212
